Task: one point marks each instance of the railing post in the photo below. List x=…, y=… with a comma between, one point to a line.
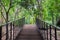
x=42, y=24
x=10, y=31
x=50, y=33
x=13, y=31
x=44, y=30
x=7, y=35
x=47, y=32
x=55, y=34
x=0, y=32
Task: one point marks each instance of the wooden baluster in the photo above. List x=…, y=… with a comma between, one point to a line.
x=47, y=31
x=50, y=33
x=10, y=31
x=0, y=32
x=7, y=35
x=55, y=34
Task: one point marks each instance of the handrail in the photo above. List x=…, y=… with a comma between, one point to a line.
x=51, y=24
x=10, y=22
x=48, y=32
x=10, y=26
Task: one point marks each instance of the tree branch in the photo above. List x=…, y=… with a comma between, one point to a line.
x=39, y=8
x=17, y=11
x=3, y=6
x=8, y=11
x=3, y=15
x=9, y=6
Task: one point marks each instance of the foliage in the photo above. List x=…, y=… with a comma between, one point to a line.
x=51, y=9
x=30, y=9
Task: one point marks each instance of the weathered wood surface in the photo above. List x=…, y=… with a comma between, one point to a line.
x=29, y=32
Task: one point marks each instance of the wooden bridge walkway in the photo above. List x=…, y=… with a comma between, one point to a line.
x=39, y=31
x=29, y=32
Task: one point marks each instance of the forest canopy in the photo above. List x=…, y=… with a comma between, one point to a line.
x=47, y=10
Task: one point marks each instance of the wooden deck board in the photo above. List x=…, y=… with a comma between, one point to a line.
x=29, y=32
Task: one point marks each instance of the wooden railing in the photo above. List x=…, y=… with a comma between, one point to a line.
x=48, y=31
x=11, y=26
